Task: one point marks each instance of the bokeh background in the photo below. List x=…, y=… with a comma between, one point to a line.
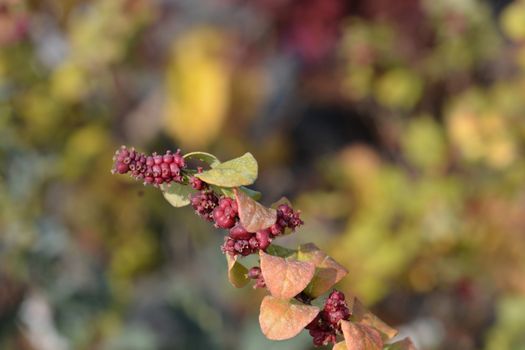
x=397, y=127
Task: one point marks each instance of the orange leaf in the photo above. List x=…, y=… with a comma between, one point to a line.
x=404, y=344
x=282, y=319
x=363, y=316
x=327, y=273
x=254, y=216
x=285, y=278
x=237, y=272
x=361, y=337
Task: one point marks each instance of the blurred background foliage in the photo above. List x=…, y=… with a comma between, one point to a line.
x=397, y=127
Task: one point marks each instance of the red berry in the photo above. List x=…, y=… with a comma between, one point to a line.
x=239, y=232
x=254, y=272
x=197, y=184
x=276, y=229
x=122, y=168
x=263, y=237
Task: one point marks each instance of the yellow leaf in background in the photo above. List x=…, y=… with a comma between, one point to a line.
x=500, y=150
x=520, y=58
x=82, y=148
x=513, y=20
x=357, y=82
x=399, y=88
x=69, y=82
x=463, y=128
x=197, y=88
x=424, y=143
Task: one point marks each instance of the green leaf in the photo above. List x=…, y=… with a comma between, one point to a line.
x=177, y=194
x=237, y=172
x=327, y=273
x=237, y=272
x=283, y=319
x=204, y=157
x=285, y=278
x=255, y=195
x=283, y=252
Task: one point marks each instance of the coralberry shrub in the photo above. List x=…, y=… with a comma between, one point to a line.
x=295, y=278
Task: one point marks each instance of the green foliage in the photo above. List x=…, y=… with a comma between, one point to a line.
x=237, y=272
x=176, y=194
x=507, y=333
x=208, y=158
x=237, y=172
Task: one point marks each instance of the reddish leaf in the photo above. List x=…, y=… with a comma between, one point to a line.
x=254, y=216
x=327, y=273
x=237, y=272
x=404, y=344
x=283, y=319
x=285, y=278
x=361, y=315
x=361, y=337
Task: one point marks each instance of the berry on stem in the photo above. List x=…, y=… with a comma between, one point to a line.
x=203, y=203
x=255, y=273
x=225, y=215
x=223, y=211
x=154, y=169
x=325, y=327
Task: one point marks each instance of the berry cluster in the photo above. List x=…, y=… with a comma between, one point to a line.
x=204, y=202
x=286, y=218
x=325, y=326
x=240, y=241
x=154, y=169
x=224, y=213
